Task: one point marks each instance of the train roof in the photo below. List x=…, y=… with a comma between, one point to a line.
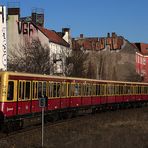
x=67, y=78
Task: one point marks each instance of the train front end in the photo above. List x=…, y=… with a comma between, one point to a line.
x=3, y=95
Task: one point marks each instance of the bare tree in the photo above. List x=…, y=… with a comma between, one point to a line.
x=75, y=63
x=31, y=57
x=91, y=64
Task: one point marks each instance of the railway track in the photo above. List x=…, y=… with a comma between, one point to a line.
x=117, y=128
x=37, y=126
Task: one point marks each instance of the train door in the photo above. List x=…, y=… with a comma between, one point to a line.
x=24, y=97
x=39, y=90
x=10, y=104
x=103, y=93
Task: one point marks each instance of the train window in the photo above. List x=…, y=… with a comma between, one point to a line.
x=76, y=90
x=136, y=90
x=50, y=89
x=83, y=89
x=80, y=89
x=90, y=89
x=10, y=90
x=94, y=89
x=40, y=89
x=21, y=90
x=131, y=89
x=121, y=90
x=27, y=92
x=56, y=89
x=44, y=89
x=24, y=90
x=69, y=89
x=127, y=89
x=145, y=90
x=117, y=90
x=87, y=89
x=97, y=90
x=35, y=86
x=142, y=89
x=63, y=89
x=110, y=89
x=102, y=89
x=139, y=89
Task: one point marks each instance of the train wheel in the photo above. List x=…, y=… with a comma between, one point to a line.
x=66, y=115
x=94, y=111
x=74, y=113
x=20, y=124
x=1, y=121
x=8, y=127
x=63, y=115
x=55, y=117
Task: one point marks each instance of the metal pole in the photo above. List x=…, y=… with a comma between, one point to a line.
x=42, y=126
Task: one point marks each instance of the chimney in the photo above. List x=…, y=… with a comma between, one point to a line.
x=81, y=35
x=108, y=35
x=114, y=34
x=13, y=8
x=14, y=11
x=65, y=30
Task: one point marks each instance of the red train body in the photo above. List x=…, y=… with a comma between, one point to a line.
x=19, y=94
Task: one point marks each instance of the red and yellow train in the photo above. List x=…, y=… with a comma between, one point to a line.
x=20, y=93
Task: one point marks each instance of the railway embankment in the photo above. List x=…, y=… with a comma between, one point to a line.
x=122, y=128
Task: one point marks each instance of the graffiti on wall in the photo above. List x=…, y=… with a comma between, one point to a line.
x=2, y=14
x=4, y=47
x=3, y=39
x=25, y=28
x=112, y=43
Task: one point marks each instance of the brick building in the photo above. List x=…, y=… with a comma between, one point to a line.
x=142, y=60
x=112, y=42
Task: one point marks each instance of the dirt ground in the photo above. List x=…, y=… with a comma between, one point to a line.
x=112, y=129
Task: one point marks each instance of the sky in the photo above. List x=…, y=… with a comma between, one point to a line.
x=93, y=18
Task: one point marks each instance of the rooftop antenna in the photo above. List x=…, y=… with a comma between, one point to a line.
x=38, y=16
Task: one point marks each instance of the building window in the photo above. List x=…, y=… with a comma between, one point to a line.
x=141, y=60
x=144, y=61
x=138, y=59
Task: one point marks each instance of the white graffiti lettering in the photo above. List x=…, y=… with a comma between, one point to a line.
x=9, y=109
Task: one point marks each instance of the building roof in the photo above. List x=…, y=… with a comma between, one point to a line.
x=142, y=47
x=53, y=36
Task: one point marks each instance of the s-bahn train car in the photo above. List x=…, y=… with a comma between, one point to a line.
x=20, y=93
